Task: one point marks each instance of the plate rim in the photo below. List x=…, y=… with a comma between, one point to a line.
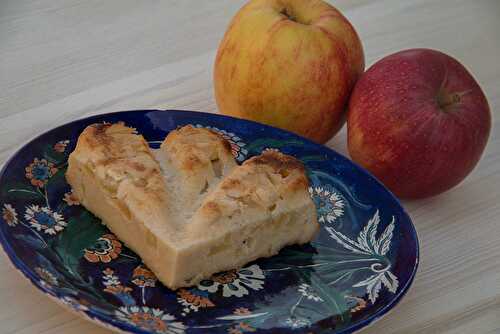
x=105, y=321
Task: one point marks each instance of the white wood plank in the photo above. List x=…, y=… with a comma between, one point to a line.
x=66, y=59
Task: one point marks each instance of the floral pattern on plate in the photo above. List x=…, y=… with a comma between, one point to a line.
x=151, y=319
x=235, y=282
x=352, y=273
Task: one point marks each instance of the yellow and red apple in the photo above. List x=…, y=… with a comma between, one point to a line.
x=418, y=121
x=290, y=64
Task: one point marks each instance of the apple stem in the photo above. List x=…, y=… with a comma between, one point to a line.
x=446, y=100
x=285, y=11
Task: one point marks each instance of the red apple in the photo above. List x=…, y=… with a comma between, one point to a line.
x=418, y=121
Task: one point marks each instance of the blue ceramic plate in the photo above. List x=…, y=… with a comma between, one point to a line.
x=357, y=269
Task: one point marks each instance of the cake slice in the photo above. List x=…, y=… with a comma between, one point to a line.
x=188, y=209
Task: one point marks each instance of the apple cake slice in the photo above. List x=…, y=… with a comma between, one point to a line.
x=188, y=209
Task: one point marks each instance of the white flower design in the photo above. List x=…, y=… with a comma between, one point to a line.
x=237, y=145
x=368, y=244
x=151, y=319
x=47, y=278
x=9, y=215
x=329, y=203
x=44, y=219
x=374, y=283
x=187, y=307
x=110, y=280
x=112, y=283
x=235, y=283
x=73, y=303
x=307, y=291
x=295, y=322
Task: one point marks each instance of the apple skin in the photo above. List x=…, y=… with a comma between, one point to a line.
x=418, y=121
x=289, y=63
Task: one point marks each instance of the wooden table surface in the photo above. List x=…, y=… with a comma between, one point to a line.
x=65, y=59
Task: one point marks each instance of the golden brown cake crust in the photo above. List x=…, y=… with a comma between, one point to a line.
x=260, y=182
x=119, y=154
x=285, y=165
x=194, y=147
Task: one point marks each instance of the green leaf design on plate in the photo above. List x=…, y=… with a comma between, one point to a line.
x=331, y=296
x=20, y=191
x=58, y=177
x=35, y=243
x=53, y=156
x=81, y=232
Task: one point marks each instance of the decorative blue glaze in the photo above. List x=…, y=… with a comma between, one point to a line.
x=358, y=268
